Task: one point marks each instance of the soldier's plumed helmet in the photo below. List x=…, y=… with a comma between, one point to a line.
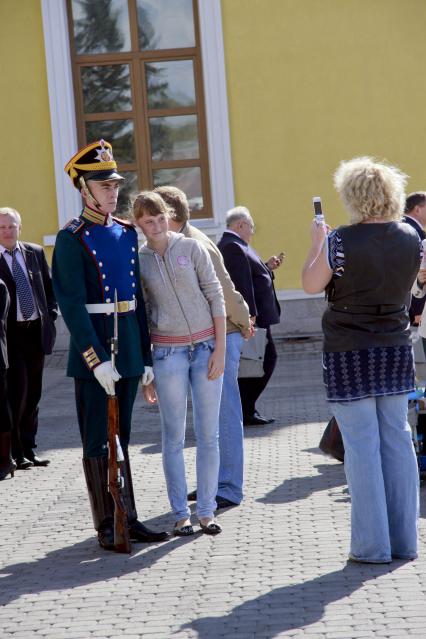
x=94, y=162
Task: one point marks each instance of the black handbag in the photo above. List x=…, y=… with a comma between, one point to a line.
x=331, y=441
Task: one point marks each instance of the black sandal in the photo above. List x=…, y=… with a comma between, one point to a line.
x=211, y=529
x=183, y=531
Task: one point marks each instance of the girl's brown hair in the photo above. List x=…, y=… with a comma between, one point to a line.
x=150, y=203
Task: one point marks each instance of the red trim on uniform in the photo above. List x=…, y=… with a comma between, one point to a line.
x=126, y=223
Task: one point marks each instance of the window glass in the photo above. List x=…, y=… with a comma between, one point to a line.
x=174, y=137
x=106, y=88
x=170, y=84
x=165, y=24
x=188, y=180
x=119, y=133
x=138, y=84
x=128, y=191
x=100, y=26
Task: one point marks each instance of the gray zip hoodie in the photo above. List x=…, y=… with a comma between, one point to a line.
x=182, y=292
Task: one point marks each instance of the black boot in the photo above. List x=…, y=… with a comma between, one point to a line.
x=7, y=465
x=101, y=503
x=137, y=530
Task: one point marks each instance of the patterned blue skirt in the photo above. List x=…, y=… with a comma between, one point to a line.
x=371, y=372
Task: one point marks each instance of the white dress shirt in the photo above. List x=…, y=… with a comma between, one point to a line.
x=21, y=261
x=416, y=222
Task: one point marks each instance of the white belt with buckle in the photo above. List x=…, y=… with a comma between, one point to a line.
x=123, y=307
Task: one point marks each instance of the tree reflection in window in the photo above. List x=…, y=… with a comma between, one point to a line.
x=188, y=180
x=106, y=88
x=101, y=26
x=128, y=192
x=170, y=84
x=140, y=87
x=119, y=133
x=174, y=138
x=164, y=24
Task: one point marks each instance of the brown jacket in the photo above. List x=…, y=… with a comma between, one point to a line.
x=237, y=313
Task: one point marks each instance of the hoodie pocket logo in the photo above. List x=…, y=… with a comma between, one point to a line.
x=182, y=260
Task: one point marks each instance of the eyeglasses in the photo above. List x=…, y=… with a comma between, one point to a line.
x=250, y=224
x=11, y=227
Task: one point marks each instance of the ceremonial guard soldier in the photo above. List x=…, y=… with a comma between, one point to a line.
x=95, y=255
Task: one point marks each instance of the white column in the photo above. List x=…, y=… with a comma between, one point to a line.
x=62, y=110
x=218, y=136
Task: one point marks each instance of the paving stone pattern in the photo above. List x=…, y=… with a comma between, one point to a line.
x=278, y=570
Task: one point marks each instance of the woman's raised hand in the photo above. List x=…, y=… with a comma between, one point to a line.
x=319, y=232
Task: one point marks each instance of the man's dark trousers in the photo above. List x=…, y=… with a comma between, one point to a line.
x=252, y=387
x=255, y=281
x=27, y=344
x=5, y=416
x=24, y=381
x=91, y=401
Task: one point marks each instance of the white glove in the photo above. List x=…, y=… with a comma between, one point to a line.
x=106, y=376
x=148, y=376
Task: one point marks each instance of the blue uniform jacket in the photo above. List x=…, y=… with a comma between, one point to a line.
x=90, y=261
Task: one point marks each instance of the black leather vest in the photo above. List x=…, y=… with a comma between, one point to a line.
x=368, y=303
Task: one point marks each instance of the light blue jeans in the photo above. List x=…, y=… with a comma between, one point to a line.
x=177, y=369
x=381, y=470
x=231, y=435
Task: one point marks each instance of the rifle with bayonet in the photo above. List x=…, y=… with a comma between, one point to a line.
x=115, y=455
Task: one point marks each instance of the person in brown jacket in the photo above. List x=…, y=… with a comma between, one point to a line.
x=231, y=438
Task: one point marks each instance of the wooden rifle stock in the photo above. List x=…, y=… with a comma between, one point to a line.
x=121, y=529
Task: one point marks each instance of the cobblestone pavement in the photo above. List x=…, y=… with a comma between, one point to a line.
x=278, y=570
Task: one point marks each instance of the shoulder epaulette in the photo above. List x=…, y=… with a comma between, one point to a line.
x=127, y=223
x=74, y=225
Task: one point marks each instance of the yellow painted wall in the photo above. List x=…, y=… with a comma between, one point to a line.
x=312, y=82
x=27, y=180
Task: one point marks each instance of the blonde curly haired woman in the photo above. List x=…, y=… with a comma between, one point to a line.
x=367, y=269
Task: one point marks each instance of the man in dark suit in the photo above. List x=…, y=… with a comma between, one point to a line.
x=254, y=280
x=415, y=216
x=7, y=465
x=30, y=332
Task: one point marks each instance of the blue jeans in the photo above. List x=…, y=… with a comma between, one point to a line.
x=177, y=369
x=231, y=435
x=381, y=470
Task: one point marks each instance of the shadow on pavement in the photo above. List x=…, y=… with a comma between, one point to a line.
x=330, y=476
x=295, y=488
x=81, y=564
x=289, y=607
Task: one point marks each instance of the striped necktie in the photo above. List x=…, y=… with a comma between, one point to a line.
x=23, y=288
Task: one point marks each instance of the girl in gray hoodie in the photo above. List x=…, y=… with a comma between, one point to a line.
x=186, y=312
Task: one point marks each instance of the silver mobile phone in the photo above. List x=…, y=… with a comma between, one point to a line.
x=319, y=215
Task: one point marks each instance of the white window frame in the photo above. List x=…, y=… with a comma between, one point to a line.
x=63, y=120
